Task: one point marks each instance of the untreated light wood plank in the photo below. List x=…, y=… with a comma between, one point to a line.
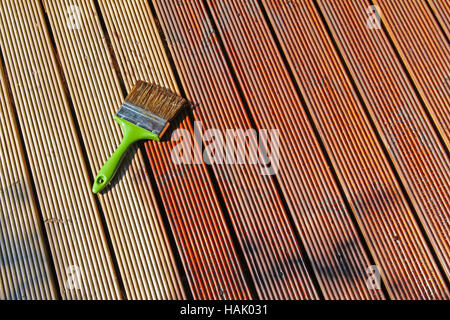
x=78, y=245
x=24, y=260
x=145, y=258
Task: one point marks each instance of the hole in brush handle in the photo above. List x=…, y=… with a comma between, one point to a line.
x=99, y=184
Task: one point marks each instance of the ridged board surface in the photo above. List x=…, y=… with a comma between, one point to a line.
x=140, y=243
x=261, y=223
x=24, y=260
x=425, y=51
x=362, y=114
x=441, y=9
x=413, y=144
x=333, y=245
x=196, y=218
x=78, y=245
x=381, y=208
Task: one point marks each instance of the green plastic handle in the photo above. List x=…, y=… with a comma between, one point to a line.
x=131, y=134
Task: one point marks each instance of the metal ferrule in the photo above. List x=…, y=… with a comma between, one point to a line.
x=142, y=118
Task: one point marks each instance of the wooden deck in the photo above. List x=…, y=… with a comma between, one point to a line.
x=362, y=106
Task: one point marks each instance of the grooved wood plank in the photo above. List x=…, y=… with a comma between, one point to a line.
x=24, y=261
x=425, y=52
x=143, y=252
x=194, y=212
x=381, y=209
x=325, y=225
x=270, y=249
x=413, y=145
x=72, y=222
x=441, y=9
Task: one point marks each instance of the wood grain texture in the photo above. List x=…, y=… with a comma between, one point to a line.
x=413, y=144
x=24, y=260
x=381, y=208
x=72, y=222
x=425, y=50
x=324, y=223
x=194, y=212
x=362, y=116
x=143, y=252
x=270, y=249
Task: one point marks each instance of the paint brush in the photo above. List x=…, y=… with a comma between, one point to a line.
x=145, y=115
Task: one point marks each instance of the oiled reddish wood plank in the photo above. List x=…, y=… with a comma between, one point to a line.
x=382, y=211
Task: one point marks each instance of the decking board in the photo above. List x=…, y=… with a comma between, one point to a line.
x=363, y=119
x=406, y=130
x=425, y=52
x=261, y=223
x=441, y=9
x=382, y=210
x=24, y=261
x=144, y=255
x=71, y=217
x=336, y=252
x=194, y=212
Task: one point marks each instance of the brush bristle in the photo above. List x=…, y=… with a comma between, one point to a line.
x=155, y=99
